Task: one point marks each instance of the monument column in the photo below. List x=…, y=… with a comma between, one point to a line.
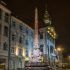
x=36, y=53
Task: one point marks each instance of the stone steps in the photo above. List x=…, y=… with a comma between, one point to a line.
x=37, y=66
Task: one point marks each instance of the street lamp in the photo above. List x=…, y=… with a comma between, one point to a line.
x=59, y=51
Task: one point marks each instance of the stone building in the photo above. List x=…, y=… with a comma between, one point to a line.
x=16, y=40
x=47, y=44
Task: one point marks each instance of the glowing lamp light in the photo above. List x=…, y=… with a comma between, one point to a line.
x=69, y=57
x=48, y=31
x=49, y=28
x=26, y=58
x=58, y=49
x=17, y=51
x=24, y=52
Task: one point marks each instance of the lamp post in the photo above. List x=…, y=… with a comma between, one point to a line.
x=59, y=51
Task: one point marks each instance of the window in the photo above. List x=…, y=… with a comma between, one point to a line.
x=12, y=50
x=47, y=49
x=5, y=31
x=5, y=46
x=13, y=24
x=51, y=49
x=49, y=37
x=6, y=17
x=21, y=28
x=0, y=13
x=41, y=35
x=31, y=34
x=26, y=30
x=13, y=37
x=32, y=44
x=20, y=39
x=26, y=42
x=41, y=48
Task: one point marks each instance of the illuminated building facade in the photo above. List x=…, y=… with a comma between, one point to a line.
x=4, y=36
x=47, y=43
x=21, y=42
x=16, y=38
x=47, y=38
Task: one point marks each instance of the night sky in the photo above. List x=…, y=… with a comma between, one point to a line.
x=59, y=11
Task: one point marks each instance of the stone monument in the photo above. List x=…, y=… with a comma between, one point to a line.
x=36, y=62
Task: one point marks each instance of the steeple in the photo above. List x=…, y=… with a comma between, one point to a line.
x=46, y=16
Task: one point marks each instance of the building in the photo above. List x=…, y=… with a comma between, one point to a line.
x=16, y=40
x=4, y=35
x=47, y=40
x=21, y=42
x=47, y=44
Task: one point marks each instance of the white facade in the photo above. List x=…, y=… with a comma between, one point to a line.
x=47, y=45
x=16, y=36
x=4, y=35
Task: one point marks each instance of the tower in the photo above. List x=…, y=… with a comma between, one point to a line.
x=47, y=20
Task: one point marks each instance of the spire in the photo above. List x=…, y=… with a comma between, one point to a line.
x=36, y=29
x=46, y=16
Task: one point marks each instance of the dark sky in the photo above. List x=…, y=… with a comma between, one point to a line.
x=59, y=11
